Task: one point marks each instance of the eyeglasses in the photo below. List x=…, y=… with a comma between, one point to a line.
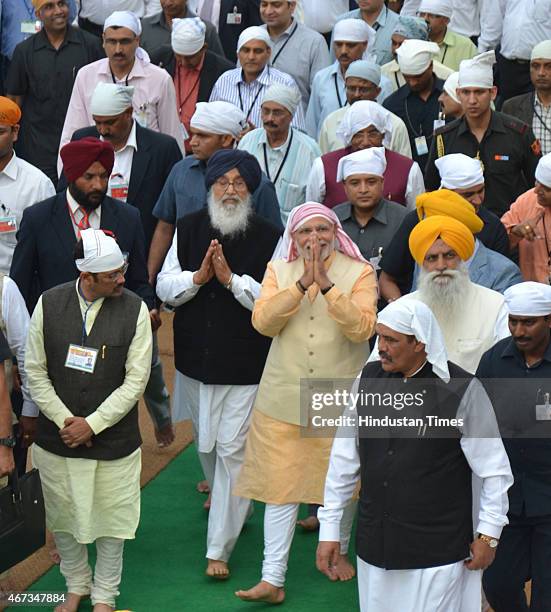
x=113, y=276
x=238, y=184
x=362, y=91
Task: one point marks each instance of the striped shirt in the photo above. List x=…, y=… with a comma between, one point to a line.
x=230, y=87
x=541, y=124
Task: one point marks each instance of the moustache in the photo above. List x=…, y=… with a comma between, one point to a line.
x=270, y=124
x=119, y=56
x=522, y=339
x=384, y=355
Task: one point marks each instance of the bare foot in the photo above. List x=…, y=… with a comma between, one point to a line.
x=54, y=556
x=71, y=604
x=203, y=486
x=101, y=607
x=206, y=505
x=217, y=569
x=344, y=570
x=263, y=591
x=310, y=523
x=165, y=436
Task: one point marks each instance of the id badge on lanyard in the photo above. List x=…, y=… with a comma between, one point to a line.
x=81, y=358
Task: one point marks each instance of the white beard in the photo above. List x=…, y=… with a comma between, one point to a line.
x=444, y=292
x=229, y=219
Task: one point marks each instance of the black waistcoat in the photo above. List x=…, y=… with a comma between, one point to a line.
x=82, y=393
x=214, y=340
x=415, y=499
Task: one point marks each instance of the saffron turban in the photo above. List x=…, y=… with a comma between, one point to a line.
x=101, y=252
x=454, y=233
x=226, y=159
x=10, y=113
x=444, y=202
x=79, y=155
x=38, y=4
x=528, y=299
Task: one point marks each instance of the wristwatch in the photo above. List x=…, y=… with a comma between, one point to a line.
x=9, y=442
x=492, y=542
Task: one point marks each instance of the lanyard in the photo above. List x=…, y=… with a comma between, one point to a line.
x=282, y=163
x=30, y=10
x=409, y=122
x=284, y=44
x=545, y=126
x=377, y=25
x=115, y=80
x=337, y=90
x=445, y=51
x=254, y=101
x=181, y=102
x=88, y=306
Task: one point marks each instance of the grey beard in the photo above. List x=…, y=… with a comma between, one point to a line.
x=229, y=219
x=445, y=299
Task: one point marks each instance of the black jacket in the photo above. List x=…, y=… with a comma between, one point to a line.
x=521, y=107
x=229, y=32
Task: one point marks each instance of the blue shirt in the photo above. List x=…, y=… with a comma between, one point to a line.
x=12, y=13
x=185, y=192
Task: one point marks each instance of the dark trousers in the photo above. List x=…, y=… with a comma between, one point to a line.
x=90, y=26
x=513, y=78
x=19, y=452
x=524, y=553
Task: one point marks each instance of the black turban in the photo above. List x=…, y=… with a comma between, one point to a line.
x=226, y=159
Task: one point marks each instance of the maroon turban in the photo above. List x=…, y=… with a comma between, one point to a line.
x=79, y=155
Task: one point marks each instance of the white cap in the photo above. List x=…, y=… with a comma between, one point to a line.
x=450, y=86
x=110, y=99
x=529, y=299
x=477, y=72
x=415, y=56
x=543, y=170
x=101, y=252
x=188, y=36
x=354, y=30
x=289, y=97
x=123, y=19
x=368, y=161
x=361, y=115
x=459, y=171
x=443, y=8
x=253, y=33
x=218, y=118
x=542, y=50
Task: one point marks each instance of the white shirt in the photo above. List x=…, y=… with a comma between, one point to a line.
x=21, y=186
x=321, y=15
x=466, y=17
x=518, y=25
x=77, y=214
x=410, y=8
x=122, y=168
x=197, y=6
x=98, y=10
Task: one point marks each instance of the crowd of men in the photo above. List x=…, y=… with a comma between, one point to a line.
x=319, y=190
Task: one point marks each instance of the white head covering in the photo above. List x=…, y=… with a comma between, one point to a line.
x=450, y=86
x=412, y=317
x=289, y=97
x=110, y=99
x=128, y=19
x=477, y=72
x=218, y=118
x=542, y=50
x=253, y=33
x=529, y=299
x=188, y=36
x=444, y=8
x=368, y=161
x=415, y=56
x=101, y=252
x=354, y=30
x=366, y=70
x=362, y=114
x=459, y=171
x=543, y=170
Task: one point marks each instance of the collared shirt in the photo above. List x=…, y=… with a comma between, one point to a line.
x=297, y=161
x=541, y=124
x=300, y=52
x=13, y=14
x=394, y=74
x=77, y=214
x=97, y=11
x=185, y=192
x=519, y=26
x=231, y=87
x=465, y=18
x=120, y=175
x=21, y=186
x=328, y=94
x=154, y=99
x=186, y=84
x=44, y=76
x=455, y=48
x=384, y=27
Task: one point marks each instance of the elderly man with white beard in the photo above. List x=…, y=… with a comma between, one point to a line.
x=212, y=276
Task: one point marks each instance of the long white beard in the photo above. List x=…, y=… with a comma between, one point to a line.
x=229, y=219
x=444, y=292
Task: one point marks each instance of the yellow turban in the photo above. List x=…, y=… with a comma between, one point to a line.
x=38, y=4
x=454, y=233
x=10, y=113
x=450, y=204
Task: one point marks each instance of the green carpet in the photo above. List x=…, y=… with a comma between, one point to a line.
x=164, y=566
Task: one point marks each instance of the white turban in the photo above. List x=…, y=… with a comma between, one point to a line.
x=415, y=56
x=101, y=252
x=289, y=97
x=110, y=99
x=253, y=33
x=450, y=86
x=443, y=8
x=354, y=30
x=361, y=115
x=477, y=72
x=218, y=118
x=413, y=318
x=529, y=299
x=459, y=171
x=542, y=50
x=363, y=69
x=188, y=36
x=368, y=161
x=543, y=170
x=123, y=19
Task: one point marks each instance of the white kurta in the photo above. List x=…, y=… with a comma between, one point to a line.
x=425, y=589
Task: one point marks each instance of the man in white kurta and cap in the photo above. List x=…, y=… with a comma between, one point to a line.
x=414, y=537
x=87, y=370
